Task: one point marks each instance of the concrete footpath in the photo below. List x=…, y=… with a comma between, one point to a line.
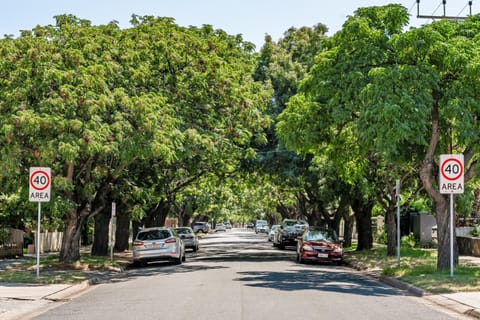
x=24, y=301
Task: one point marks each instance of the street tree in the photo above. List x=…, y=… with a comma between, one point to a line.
x=403, y=96
x=131, y=116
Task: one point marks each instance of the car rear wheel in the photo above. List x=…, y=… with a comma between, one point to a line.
x=179, y=260
x=299, y=258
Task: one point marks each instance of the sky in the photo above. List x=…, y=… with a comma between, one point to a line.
x=253, y=19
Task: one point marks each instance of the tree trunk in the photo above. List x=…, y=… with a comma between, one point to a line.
x=343, y=212
x=439, y=201
x=363, y=216
x=443, y=228
x=70, y=251
x=185, y=213
x=348, y=231
x=391, y=229
x=156, y=216
x=122, y=234
x=136, y=228
x=101, y=235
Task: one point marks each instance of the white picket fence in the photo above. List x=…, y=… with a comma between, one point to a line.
x=50, y=241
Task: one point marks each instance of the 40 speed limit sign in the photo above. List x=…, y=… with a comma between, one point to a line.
x=39, y=182
x=451, y=173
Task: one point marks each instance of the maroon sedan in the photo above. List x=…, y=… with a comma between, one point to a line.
x=319, y=245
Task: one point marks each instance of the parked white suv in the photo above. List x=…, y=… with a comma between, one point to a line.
x=261, y=226
x=201, y=227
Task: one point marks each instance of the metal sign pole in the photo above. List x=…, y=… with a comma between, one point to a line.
x=451, y=235
x=39, y=191
x=398, y=223
x=38, y=238
x=451, y=182
x=112, y=229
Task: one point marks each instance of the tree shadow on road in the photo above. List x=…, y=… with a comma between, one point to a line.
x=157, y=268
x=321, y=280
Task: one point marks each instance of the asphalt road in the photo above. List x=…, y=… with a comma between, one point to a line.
x=239, y=275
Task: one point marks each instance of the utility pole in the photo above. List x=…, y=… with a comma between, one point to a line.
x=444, y=16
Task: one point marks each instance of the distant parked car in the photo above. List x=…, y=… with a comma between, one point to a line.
x=288, y=232
x=319, y=245
x=201, y=227
x=156, y=244
x=228, y=225
x=261, y=226
x=189, y=237
x=273, y=230
x=220, y=227
x=250, y=225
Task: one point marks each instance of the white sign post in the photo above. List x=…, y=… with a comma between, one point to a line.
x=397, y=193
x=451, y=182
x=39, y=191
x=112, y=227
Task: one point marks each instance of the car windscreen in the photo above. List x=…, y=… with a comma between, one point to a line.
x=290, y=223
x=320, y=236
x=183, y=230
x=154, y=235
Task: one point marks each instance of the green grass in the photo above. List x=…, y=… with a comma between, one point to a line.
x=417, y=267
x=52, y=271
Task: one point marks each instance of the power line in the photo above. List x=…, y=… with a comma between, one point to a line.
x=468, y=4
x=444, y=16
x=411, y=8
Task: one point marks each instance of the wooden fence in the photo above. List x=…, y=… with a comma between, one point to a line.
x=50, y=241
x=14, y=246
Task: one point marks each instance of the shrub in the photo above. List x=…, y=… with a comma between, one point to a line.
x=4, y=235
x=476, y=232
x=409, y=240
x=381, y=237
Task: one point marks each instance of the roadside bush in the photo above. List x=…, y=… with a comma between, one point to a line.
x=4, y=235
x=409, y=241
x=381, y=238
x=476, y=232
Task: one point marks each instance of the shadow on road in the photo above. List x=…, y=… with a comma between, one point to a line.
x=158, y=268
x=309, y=279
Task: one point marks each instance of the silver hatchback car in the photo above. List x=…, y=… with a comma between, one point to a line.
x=190, y=239
x=156, y=244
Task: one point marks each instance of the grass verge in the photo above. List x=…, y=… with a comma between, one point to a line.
x=419, y=268
x=52, y=271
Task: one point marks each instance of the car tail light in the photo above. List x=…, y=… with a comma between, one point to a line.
x=137, y=243
x=171, y=240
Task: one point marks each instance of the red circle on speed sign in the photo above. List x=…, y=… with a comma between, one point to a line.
x=40, y=180
x=452, y=169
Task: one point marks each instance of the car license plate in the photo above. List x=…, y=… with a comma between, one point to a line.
x=154, y=245
x=323, y=255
